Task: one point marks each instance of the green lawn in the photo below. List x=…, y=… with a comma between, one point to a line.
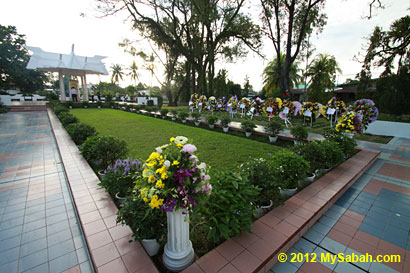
x=143, y=134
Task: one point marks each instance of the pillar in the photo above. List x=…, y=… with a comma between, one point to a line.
x=61, y=81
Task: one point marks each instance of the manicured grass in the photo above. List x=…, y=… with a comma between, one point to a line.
x=143, y=134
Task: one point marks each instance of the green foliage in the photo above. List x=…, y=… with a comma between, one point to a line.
x=288, y=168
x=85, y=104
x=274, y=127
x=347, y=144
x=260, y=173
x=211, y=119
x=102, y=151
x=66, y=118
x=68, y=104
x=248, y=125
x=99, y=103
x=164, y=111
x=79, y=132
x=225, y=120
x=228, y=210
x=13, y=62
x=2, y=108
x=58, y=109
x=183, y=115
x=313, y=153
x=333, y=154
x=299, y=132
x=143, y=221
x=195, y=115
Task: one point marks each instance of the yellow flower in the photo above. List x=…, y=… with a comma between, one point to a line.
x=172, y=139
x=151, y=164
x=348, y=131
x=145, y=199
x=164, y=176
x=176, y=162
x=151, y=179
x=143, y=191
x=153, y=156
x=180, y=145
x=159, y=184
x=155, y=203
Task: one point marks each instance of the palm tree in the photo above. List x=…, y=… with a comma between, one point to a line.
x=271, y=75
x=117, y=73
x=135, y=75
x=322, y=72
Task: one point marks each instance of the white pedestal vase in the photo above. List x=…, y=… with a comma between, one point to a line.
x=151, y=246
x=226, y=129
x=197, y=123
x=273, y=139
x=178, y=251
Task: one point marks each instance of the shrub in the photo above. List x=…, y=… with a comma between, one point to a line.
x=260, y=173
x=68, y=104
x=99, y=103
x=195, y=115
x=120, y=177
x=211, y=119
x=127, y=107
x=299, y=132
x=183, y=115
x=67, y=118
x=228, y=210
x=288, y=168
x=58, y=109
x=225, y=121
x=274, y=127
x=85, y=103
x=102, y=151
x=248, y=125
x=111, y=104
x=333, y=154
x=79, y=132
x=346, y=143
x=143, y=221
x=164, y=112
x=108, y=98
x=174, y=112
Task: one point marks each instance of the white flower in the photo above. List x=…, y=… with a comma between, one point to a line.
x=158, y=149
x=202, y=166
x=180, y=140
x=167, y=163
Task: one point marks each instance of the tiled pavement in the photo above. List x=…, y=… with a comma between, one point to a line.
x=373, y=217
x=39, y=229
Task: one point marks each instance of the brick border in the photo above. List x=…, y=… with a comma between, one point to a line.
x=107, y=242
x=282, y=227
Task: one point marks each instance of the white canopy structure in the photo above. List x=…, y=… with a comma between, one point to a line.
x=66, y=64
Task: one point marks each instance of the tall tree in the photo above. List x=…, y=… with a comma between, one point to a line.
x=13, y=62
x=135, y=75
x=271, y=75
x=322, y=72
x=287, y=23
x=116, y=73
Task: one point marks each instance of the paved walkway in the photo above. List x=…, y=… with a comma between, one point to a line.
x=388, y=128
x=373, y=217
x=39, y=230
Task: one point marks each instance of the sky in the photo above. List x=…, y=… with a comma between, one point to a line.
x=55, y=25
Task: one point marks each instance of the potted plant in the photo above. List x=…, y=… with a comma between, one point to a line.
x=99, y=104
x=118, y=179
x=79, y=132
x=149, y=226
x=248, y=126
x=333, y=154
x=225, y=120
x=174, y=114
x=183, y=115
x=195, y=116
x=313, y=153
x=299, y=134
x=111, y=104
x=211, y=119
x=164, y=113
x=85, y=104
x=347, y=144
x=260, y=173
x=69, y=104
x=288, y=169
x=273, y=128
x=67, y=118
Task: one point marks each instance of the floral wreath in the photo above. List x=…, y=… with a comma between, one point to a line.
x=335, y=103
x=275, y=103
x=258, y=104
x=202, y=99
x=290, y=106
x=247, y=102
x=349, y=123
x=173, y=178
x=233, y=101
x=220, y=102
x=212, y=102
x=314, y=107
x=194, y=99
x=367, y=108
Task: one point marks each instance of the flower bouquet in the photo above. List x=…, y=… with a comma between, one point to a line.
x=290, y=106
x=220, y=104
x=194, y=100
x=173, y=178
x=202, y=102
x=258, y=104
x=334, y=103
x=367, y=110
x=313, y=107
x=212, y=104
x=349, y=123
x=275, y=104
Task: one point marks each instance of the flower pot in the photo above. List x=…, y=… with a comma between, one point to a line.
x=101, y=174
x=70, y=107
x=178, y=251
x=163, y=117
x=183, y=121
x=226, y=129
x=295, y=142
x=112, y=107
x=119, y=198
x=322, y=171
x=98, y=107
x=261, y=210
x=85, y=106
x=307, y=180
x=155, y=115
x=151, y=246
x=273, y=139
x=197, y=123
x=350, y=135
x=248, y=134
x=287, y=192
x=211, y=126
x=173, y=119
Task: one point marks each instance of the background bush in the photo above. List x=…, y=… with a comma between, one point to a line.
x=79, y=132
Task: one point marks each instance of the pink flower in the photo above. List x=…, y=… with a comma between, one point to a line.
x=189, y=148
x=194, y=159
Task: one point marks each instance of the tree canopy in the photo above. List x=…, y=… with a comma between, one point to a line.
x=13, y=62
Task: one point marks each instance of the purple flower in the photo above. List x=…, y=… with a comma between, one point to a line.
x=188, y=148
x=181, y=174
x=169, y=205
x=208, y=189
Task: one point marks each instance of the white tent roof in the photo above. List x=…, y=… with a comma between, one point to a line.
x=66, y=63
